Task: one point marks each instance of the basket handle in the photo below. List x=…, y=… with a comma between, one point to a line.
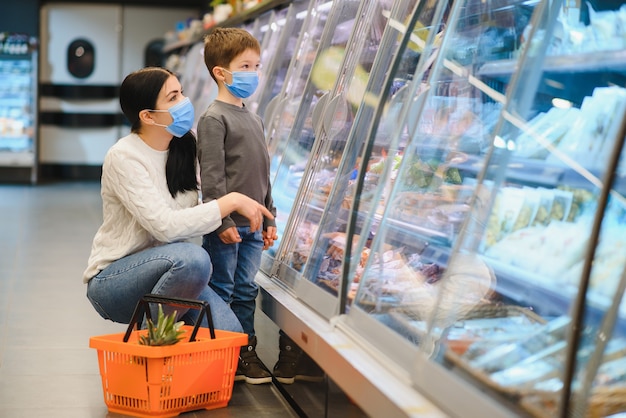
x=144, y=308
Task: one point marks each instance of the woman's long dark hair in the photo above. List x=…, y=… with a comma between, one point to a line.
x=180, y=169
x=139, y=91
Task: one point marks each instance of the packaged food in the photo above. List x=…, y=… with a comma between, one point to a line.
x=590, y=139
x=546, y=198
x=529, y=208
x=510, y=205
x=544, y=131
x=525, y=374
x=561, y=204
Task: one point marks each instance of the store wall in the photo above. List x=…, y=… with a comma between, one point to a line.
x=80, y=117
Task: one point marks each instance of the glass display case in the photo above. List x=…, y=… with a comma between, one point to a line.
x=450, y=195
x=327, y=242
x=269, y=34
x=333, y=149
x=282, y=107
x=493, y=265
x=290, y=131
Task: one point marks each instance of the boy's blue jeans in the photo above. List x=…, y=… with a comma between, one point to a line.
x=234, y=269
x=178, y=269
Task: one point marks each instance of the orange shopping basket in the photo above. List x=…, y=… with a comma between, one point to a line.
x=165, y=381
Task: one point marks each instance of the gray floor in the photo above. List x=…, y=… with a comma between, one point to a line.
x=46, y=366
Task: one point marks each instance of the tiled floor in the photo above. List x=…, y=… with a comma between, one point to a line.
x=46, y=366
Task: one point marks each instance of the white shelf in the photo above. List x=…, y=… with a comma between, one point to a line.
x=583, y=62
x=17, y=159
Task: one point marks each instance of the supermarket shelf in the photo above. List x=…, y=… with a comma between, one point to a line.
x=234, y=21
x=540, y=173
x=536, y=292
x=585, y=62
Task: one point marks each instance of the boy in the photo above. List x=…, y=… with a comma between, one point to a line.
x=233, y=156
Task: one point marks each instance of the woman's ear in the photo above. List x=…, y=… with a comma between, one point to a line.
x=145, y=117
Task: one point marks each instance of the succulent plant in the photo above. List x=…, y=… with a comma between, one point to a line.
x=165, y=332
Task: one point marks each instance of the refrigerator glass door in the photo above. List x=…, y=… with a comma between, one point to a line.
x=291, y=139
x=335, y=165
x=496, y=254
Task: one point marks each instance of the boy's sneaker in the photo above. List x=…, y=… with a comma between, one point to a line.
x=251, y=368
x=288, y=373
x=285, y=368
x=294, y=364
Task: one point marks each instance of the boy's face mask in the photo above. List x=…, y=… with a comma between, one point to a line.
x=244, y=83
x=182, y=117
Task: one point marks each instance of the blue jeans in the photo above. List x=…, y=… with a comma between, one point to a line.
x=178, y=269
x=234, y=269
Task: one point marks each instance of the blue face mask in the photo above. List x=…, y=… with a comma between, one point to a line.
x=182, y=118
x=244, y=83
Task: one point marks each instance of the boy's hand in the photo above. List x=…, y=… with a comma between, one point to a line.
x=269, y=236
x=230, y=236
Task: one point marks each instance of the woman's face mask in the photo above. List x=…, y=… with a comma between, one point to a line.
x=244, y=83
x=182, y=118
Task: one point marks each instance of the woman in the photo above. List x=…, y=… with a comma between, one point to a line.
x=151, y=206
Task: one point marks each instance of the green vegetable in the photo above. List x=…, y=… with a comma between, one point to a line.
x=165, y=332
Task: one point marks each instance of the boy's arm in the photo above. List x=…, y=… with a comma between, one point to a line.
x=211, y=157
x=269, y=204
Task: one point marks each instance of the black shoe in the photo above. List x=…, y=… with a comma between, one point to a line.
x=294, y=364
x=251, y=368
x=285, y=369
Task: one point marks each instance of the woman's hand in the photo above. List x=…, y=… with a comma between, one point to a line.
x=242, y=204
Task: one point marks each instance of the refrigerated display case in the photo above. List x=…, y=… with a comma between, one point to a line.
x=487, y=215
x=451, y=236
x=495, y=273
x=353, y=80
x=18, y=103
x=290, y=141
x=331, y=119
x=320, y=221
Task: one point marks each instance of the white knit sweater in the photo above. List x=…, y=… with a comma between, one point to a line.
x=138, y=209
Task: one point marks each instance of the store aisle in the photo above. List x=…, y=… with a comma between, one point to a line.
x=46, y=366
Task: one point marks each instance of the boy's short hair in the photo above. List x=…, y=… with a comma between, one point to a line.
x=222, y=45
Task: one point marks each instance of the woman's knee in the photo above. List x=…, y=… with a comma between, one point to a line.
x=195, y=262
